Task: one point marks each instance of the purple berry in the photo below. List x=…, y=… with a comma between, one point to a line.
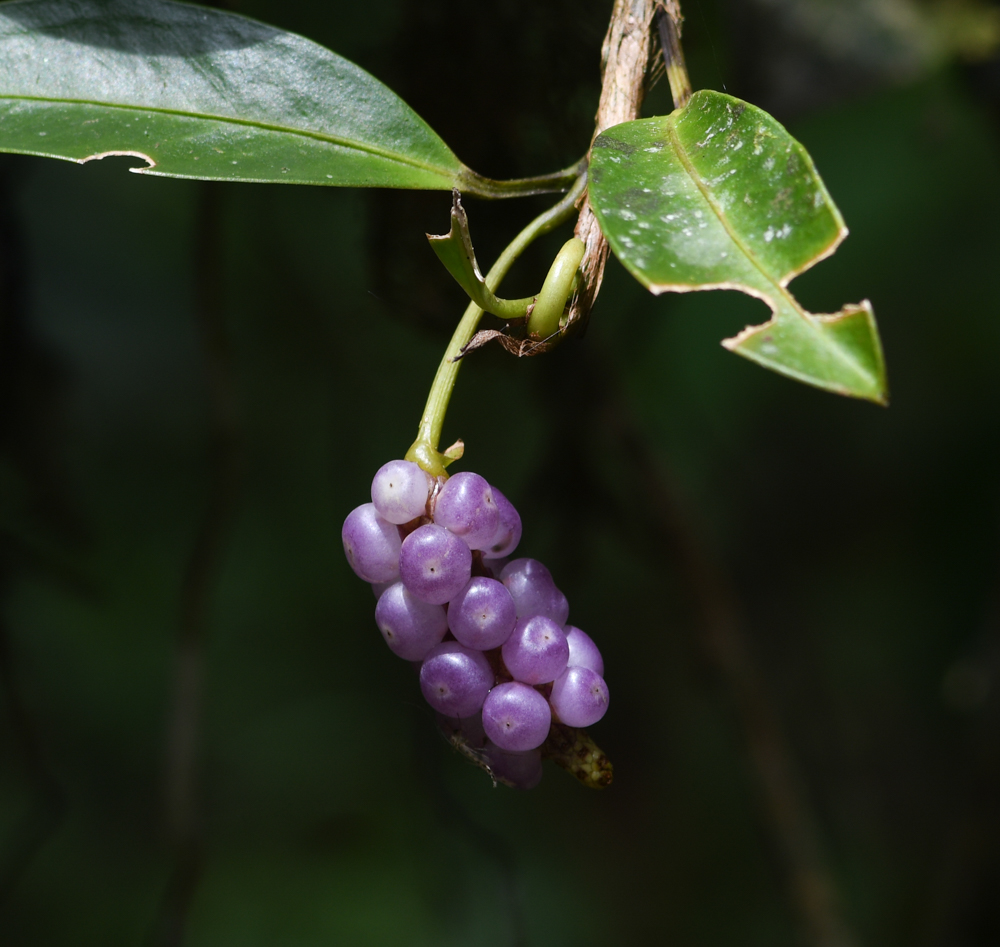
x=516, y=717
x=379, y=587
x=434, y=564
x=534, y=592
x=466, y=506
x=371, y=545
x=536, y=652
x=399, y=491
x=579, y=697
x=482, y=615
x=519, y=770
x=410, y=627
x=508, y=533
x=583, y=653
x=455, y=680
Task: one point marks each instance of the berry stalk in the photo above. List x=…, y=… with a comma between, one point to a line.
x=424, y=450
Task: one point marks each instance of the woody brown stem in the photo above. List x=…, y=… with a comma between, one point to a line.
x=624, y=59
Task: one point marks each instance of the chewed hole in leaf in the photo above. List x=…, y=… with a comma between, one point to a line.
x=100, y=156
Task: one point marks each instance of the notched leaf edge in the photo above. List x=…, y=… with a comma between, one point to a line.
x=757, y=344
x=100, y=156
x=873, y=376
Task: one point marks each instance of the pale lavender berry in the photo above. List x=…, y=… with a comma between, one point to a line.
x=518, y=770
x=371, y=545
x=466, y=507
x=455, y=680
x=410, y=627
x=508, y=533
x=399, y=491
x=534, y=592
x=516, y=717
x=536, y=652
x=482, y=615
x=579, y=697
x=583, y=653
x=434, y=564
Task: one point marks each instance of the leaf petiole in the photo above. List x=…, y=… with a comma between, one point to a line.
x=472, y=183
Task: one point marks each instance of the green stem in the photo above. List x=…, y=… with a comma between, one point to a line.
x=472, y=183
x=424, y=450
x=547, y=316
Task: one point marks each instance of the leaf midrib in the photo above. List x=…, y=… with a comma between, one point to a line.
x=247, y=123
x=781, y=290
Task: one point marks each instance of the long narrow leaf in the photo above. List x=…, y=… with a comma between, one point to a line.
x=202, y=93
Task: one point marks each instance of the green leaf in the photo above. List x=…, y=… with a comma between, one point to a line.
x=718, y=195
x=200, y=93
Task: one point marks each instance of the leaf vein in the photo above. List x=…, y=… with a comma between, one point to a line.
x=780, y=289
x=250, y=123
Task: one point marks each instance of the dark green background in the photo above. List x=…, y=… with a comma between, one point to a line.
x=860, y=543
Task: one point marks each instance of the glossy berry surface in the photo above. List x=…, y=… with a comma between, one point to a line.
x=371, y=544
x=582, y=650
x=482, y=615
x=455, y=680
x=516, y=717
x=508, y=533
x=434, y=564
x=536, y=651
x=579, y=697
x=410, y=627
x=466, y=507
x=400, y=490
x=533, y=590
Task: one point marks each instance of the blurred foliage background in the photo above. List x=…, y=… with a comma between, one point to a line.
x=798, y=596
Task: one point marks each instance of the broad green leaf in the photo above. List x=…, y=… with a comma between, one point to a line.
x=718, y=195
x=200, y=93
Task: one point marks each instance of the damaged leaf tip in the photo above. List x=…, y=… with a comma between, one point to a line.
x=718, y=195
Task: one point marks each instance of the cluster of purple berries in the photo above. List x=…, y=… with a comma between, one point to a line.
x=496, y=657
